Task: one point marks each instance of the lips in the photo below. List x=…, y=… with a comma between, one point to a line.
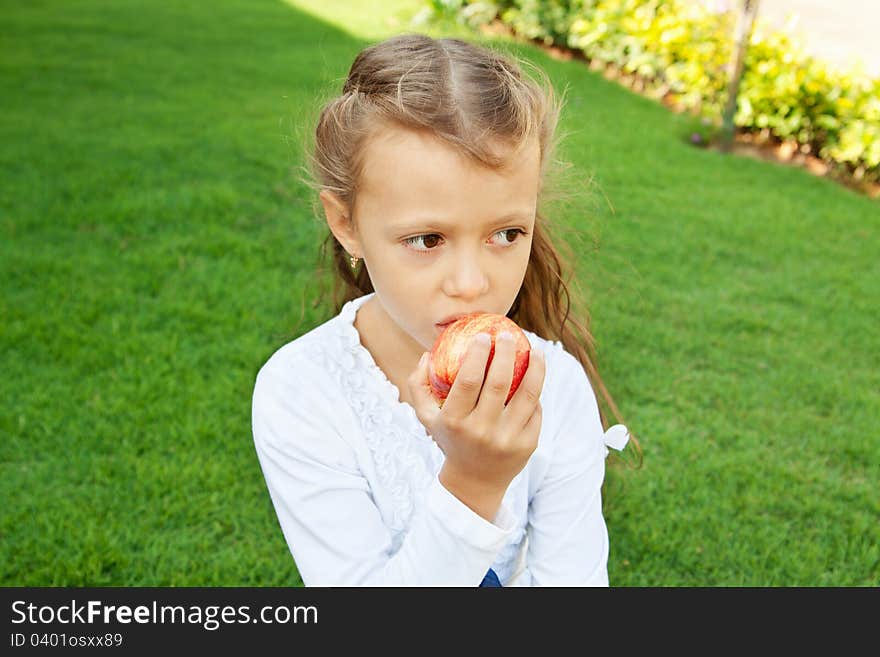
x=452, y=318
x=446, y=322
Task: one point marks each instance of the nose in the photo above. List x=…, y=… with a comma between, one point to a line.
x=467, y=277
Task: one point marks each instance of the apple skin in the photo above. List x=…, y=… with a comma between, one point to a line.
x=451, y=345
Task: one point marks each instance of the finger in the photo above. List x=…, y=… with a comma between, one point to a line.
x=465, y=390
x=528, y=394
x=424, y=403
x=499, y=378
x=532, y=430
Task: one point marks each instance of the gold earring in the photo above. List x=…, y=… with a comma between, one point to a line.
x=354, y=261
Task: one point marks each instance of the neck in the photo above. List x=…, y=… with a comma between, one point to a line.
x=380, y=336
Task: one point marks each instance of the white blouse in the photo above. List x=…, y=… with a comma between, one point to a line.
x=353, y=476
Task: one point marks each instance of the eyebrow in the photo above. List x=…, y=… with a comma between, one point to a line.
x=432, y=223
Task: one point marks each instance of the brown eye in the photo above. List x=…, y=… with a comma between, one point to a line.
x=510, y=235
x=430, y=242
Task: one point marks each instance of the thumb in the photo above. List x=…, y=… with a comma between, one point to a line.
x=424, y=403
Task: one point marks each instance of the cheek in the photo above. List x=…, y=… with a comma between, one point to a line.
x=407, y=285
x=404, y=297
x=522, y=264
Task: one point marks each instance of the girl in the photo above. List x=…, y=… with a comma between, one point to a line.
x=430, y=168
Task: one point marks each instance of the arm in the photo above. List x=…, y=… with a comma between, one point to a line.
x=568, y=539
x=325, y=506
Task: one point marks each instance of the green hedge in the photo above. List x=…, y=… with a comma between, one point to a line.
x=680, y=50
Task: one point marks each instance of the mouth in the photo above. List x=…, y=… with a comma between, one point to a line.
x=449, y=321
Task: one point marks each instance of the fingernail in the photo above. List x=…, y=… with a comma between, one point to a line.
x=483, y=338
x=506, y=336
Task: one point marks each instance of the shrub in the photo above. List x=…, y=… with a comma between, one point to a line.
x=680, y=50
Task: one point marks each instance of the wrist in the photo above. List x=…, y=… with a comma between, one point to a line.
x=482, y=498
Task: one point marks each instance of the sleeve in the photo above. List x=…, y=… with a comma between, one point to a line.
x=568, y=539
x=325, y=507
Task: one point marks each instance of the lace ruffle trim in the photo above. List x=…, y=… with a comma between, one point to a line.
x=397, y=447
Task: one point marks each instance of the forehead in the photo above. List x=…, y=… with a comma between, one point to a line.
x=406, y=172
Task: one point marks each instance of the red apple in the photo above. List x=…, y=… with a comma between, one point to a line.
x=452, y=344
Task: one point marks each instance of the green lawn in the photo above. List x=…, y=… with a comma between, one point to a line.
x=156, y=248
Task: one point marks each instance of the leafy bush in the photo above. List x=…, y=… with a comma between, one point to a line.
x=680, y=50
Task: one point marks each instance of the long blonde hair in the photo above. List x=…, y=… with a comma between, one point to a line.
x=471, y=98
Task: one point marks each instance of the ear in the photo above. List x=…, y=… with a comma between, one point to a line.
x=340, y=223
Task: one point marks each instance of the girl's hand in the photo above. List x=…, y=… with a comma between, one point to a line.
x=485, y=442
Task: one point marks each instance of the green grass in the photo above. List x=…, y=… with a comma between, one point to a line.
x=154, y=249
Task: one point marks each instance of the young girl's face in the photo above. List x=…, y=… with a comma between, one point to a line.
x=441, y=236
